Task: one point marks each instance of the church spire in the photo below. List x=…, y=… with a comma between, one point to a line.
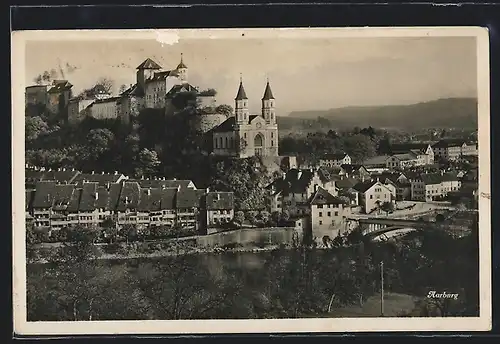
x=268, y=94
x=181, y=64
x=241, y=91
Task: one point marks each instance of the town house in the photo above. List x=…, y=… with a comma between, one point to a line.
x=219, y=208
x=423, y=151
x=453, y=149
x=293, y=190
x=188, y=204
x=327, y=213
x=336, y=159
x=433, y=186
x=373, y=193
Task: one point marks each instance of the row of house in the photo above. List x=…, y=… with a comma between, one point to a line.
x=401, y=156
x=154, y=203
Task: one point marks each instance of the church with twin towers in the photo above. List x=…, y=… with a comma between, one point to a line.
x=244, y=134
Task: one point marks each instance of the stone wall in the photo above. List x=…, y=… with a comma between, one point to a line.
x=273, y=236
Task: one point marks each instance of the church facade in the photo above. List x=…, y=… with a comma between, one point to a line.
x=244, y=135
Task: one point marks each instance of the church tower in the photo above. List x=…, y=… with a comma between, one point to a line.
x=241, y=105
x=182, y=70
x=268, y=106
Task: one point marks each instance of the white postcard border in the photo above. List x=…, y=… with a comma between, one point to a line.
x=22, y=327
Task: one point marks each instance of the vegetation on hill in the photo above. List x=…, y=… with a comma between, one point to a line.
x=442, y=113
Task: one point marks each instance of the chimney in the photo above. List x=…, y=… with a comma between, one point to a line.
x=218, y=196
x=64, y=169
x=116, y=173
x=102, y=172
x=175, y=179
x=178, y=188
x=92, y=172
x=126, y=199
x=108, y=185
x=142, y=177
x=208, y=190
x=97, y=195
x=149, y=192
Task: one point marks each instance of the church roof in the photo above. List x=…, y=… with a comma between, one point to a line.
x=226, y=126
x=268, y=94
x=149, y=64
x=241, y=93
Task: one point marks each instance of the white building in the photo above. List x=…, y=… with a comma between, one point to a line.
x=105, y=108
x=335, y=160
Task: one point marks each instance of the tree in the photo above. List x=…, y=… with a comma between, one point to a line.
x=387, y=207
x=99, y=141
x=252, y=216
x=224, y=109
x=106, y=83
x=239, y=217
x=34, y=127
x=123, y=88
x=129, y=232
x=264, y=217
x=147, y=163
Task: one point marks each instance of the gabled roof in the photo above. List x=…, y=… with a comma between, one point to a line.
x=326, y=176
x=376, y=160
x=346, y=183
x=295, y=181
x=134, y=90
x=406, y=147
x=321, y=196
x=449, y=143
x=167, y=201
x=181, y=88
x=101, y=179
x=162, y=75
x=366, y=185
x=268, y=94
x=88, y=198
x=226, y=126
x=44, y=194
x=352, y=168
x=61, y=176
x=150, y=199
x=156, y=183
x=62, y=196
x=149, y=64
x=405, y=156
x=129, y=196
x=188, y=198
x=60, y=86
x=106, y=100
x=219, y=200
x=241, y=93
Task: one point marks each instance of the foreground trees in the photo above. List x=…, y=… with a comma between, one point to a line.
x=301, y=281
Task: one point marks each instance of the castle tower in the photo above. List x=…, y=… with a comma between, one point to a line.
x=145, y=71
x=268, y=105
x=241, y=104
x=182, y=70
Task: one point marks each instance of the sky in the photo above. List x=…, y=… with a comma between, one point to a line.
x=305, y=74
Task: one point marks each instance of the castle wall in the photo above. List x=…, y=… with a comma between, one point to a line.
x=204, y=123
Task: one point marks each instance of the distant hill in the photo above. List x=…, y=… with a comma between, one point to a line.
x=450, y=112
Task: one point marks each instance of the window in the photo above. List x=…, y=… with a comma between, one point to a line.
x=371, y=196
x=227, y=145
x=320, y=206
x=320, y=223
x=320, y=214
x=272, y=134
x=329, y=214
x=336, y=213
x=272, y=143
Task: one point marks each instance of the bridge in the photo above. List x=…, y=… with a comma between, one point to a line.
x=377, y=226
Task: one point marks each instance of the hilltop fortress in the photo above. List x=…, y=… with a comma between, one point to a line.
x=238, y=134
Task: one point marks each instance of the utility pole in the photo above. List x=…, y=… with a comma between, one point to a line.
x=382, y=288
